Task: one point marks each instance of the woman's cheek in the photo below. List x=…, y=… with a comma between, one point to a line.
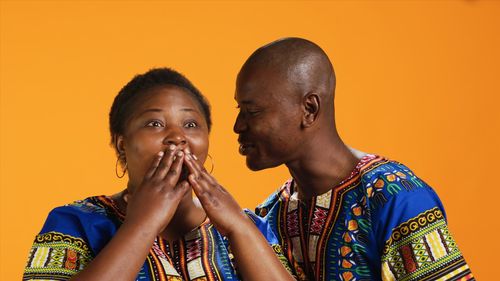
x=199, y=147
x=139, y=160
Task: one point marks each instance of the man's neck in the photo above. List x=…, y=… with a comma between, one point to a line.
x=322, y=167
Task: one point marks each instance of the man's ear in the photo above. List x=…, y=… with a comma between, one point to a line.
x=311, y=105
x=120, y=145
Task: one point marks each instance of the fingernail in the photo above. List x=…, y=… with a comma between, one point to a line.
x=161, y=153
x=172, y=147
x=194, y=156
x=180, y=153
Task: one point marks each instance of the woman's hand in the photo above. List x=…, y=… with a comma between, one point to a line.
x=149, y=210
x=223, y=211
x=245, y=239
x=152, y=205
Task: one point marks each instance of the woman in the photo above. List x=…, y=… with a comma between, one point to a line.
x=155, y=229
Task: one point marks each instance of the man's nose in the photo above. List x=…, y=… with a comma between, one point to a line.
x=239, y=124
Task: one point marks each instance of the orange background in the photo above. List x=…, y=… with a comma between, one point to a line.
x=417, y=82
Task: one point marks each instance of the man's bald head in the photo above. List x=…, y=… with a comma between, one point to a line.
x=298, y=61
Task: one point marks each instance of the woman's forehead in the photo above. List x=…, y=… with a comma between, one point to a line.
x=167, y=97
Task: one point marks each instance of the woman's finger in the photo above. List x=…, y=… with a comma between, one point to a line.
x=191, y=165
x=201, y=175
x=201, y=191
x=173, y=174
x=154, y=165
x=166, y=162
x=208, y=177
x=200, y=170
x=181, y=188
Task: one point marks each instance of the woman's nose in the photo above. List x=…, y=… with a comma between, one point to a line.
x=176, y=137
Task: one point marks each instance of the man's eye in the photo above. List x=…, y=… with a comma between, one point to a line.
x=253, y=112
x=154, y=124
x=191, y=124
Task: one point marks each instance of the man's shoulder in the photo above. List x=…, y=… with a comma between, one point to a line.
x=379, y=168
x=384, y=178
x=281, y=194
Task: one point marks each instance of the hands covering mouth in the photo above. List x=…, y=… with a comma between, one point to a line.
x=184, y=171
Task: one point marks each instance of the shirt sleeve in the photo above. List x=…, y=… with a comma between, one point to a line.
x=60, y=250
x=412, y=233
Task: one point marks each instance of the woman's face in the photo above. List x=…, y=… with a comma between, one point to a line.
x=165, y=115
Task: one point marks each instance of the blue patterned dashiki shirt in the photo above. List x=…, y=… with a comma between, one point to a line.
x=74, y=234
x=381, y=223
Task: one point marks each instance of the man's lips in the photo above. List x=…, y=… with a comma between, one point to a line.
x=245, y=148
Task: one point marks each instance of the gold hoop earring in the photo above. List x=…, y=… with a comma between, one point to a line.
x=124, y=168
x=212, y=162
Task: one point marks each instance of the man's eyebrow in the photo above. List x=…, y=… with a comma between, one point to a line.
x=246, y=102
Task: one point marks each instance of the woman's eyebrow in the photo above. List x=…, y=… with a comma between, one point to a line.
x=150, y=110
x=188, y=109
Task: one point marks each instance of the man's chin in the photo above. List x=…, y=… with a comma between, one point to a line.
x=256, y=165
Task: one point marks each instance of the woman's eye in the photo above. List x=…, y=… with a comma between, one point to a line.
x=154, y=124
x=191, y=125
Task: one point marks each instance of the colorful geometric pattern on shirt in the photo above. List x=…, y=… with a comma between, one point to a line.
x=309, y=229
x=423, y=249
x=56, y=256
x=98, y=205
x=388, y=179
x=200, y=255
x=331, y=237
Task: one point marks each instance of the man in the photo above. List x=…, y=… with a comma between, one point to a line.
x=344, y=215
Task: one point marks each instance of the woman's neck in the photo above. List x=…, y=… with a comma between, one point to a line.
x=189, y=215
